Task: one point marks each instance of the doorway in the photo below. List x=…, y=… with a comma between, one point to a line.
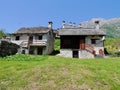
x=82, y=43
x=30, y=39
x=40, y=51
x=75, y=54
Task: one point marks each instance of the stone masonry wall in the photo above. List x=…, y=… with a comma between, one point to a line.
x=85, y=54
x=66, y=53
x=69, y=53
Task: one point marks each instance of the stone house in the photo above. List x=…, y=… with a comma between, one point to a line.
x=34, y=40
x=80, y=42
x=56, y=34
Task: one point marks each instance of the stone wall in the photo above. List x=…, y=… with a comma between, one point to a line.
x=85, y=54
x=98, y=46
x=50, y=43
x=66, y=53
x=8, y=48
x=81, y=53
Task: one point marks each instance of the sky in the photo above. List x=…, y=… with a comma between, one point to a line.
x=15, y=14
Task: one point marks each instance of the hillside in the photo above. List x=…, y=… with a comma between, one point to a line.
x=112, y=45
x=110, y=26
x=27, y=72
x=34, y=72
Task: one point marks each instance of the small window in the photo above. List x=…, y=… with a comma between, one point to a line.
x=93, y=41
x=17, y=38
x=40, y=37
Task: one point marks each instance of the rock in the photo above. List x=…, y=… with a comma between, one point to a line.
x=8, y=48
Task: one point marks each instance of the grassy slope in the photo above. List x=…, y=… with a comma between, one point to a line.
x=26, y=72
x=112, y=45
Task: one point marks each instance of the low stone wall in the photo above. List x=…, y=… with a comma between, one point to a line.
x=66, y=53
x=81, y=54
x=8, y=48
x=85, y=54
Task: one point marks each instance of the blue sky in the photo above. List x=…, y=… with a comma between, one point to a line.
x=15, y=14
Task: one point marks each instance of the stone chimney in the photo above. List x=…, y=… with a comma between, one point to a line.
x=80, y=25
x=63, y=24
x=74, y=24
x=50, y=25
x=97, y=24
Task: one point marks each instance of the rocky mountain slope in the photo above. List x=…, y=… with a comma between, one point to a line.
x=110, y=26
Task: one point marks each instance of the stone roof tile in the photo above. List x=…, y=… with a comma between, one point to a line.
x=32, y=30
x=80, y=31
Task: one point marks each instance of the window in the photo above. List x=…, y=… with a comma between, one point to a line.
x=40, y=37
x=37, y=37
x=17, y=38
x=93, y=41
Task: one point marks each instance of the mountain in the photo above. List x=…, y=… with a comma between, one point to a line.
x=110, y=26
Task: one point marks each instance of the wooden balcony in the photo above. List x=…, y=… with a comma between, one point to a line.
x=37, y=43
x=25, y=43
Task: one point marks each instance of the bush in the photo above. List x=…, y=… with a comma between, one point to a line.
x=117, y=54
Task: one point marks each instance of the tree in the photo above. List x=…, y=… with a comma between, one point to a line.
x=2, y=33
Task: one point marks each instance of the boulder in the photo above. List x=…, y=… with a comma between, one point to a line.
x=8, y=48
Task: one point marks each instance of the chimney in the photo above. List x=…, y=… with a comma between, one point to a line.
x=70, y=23
x=74, y=24
x=97, y=24
x=80, y=25
x=63, y=24
x=50, y=25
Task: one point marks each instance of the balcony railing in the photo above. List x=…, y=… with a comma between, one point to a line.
x=25, y=43
x=90, y=49
x=37, y=43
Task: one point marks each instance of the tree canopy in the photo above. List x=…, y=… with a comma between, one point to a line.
x=2, y=33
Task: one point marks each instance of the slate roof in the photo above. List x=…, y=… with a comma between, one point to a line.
x=32, y=30
x=80, y=31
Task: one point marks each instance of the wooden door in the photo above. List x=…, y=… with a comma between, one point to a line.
x=101, y=52
x=82, y=43
x=30, y=39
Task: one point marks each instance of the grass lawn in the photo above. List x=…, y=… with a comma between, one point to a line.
x=25, y=72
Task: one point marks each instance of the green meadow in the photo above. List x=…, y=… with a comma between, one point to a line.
x=27, y=72
x=112, y=45
x=33, y=72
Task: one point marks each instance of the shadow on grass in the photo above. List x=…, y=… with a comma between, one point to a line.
x=55, y=52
